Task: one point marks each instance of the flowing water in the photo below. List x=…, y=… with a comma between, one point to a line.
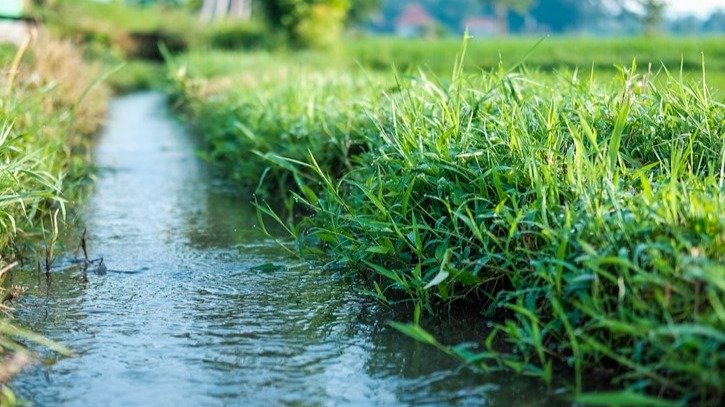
x=198, y=308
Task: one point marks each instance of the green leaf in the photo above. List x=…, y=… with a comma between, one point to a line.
x=439, y=278
x=616, y=140
x=442, y=272
x=378, y=250
x=415, y=332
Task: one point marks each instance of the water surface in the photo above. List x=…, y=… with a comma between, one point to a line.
x=186, y=315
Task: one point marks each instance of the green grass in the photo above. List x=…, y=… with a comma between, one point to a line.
x=49, y=107
x=247, y=116
x=553, y=53
x=589, y=222
x=600, y=57
x=584, y=215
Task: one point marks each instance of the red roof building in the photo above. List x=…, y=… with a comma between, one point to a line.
x=413, y=21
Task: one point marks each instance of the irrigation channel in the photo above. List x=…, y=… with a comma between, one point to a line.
x=197, y=307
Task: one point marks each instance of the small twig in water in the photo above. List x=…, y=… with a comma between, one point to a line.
x=83, y=247
x=101, y=270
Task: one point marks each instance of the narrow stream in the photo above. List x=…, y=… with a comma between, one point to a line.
x=185, y=315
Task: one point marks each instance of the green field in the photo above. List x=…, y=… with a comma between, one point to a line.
x=544, y=53
x=582, y=211
x=561, y=56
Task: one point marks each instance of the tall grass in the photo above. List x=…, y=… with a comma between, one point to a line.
x=49, y=107
x=248, y=118
x=584, y=217
x=588, y=222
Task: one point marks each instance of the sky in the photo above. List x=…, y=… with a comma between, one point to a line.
x=698, y=7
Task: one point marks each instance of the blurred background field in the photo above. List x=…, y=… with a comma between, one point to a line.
x=381, y=35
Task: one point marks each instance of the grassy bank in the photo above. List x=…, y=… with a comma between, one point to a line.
x=49, y=109
x=248, y=109
x=51, y=106
x=583, y=215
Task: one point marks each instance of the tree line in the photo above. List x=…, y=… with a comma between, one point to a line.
x=301, y=18
x=316, y=22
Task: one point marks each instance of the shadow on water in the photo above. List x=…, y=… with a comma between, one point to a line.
x=194, y=320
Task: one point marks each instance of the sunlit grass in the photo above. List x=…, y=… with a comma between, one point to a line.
x=583, y=215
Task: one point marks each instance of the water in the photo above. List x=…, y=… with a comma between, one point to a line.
x=185, y=315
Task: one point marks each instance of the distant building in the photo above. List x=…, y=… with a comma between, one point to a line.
x=414, y=21
x=481, y=26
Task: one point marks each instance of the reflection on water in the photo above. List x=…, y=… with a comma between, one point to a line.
x=185, y=316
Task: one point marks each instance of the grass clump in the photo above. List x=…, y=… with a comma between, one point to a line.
x=589, y=222
x=584, y=216
x=248, y=118
x=48, y=112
